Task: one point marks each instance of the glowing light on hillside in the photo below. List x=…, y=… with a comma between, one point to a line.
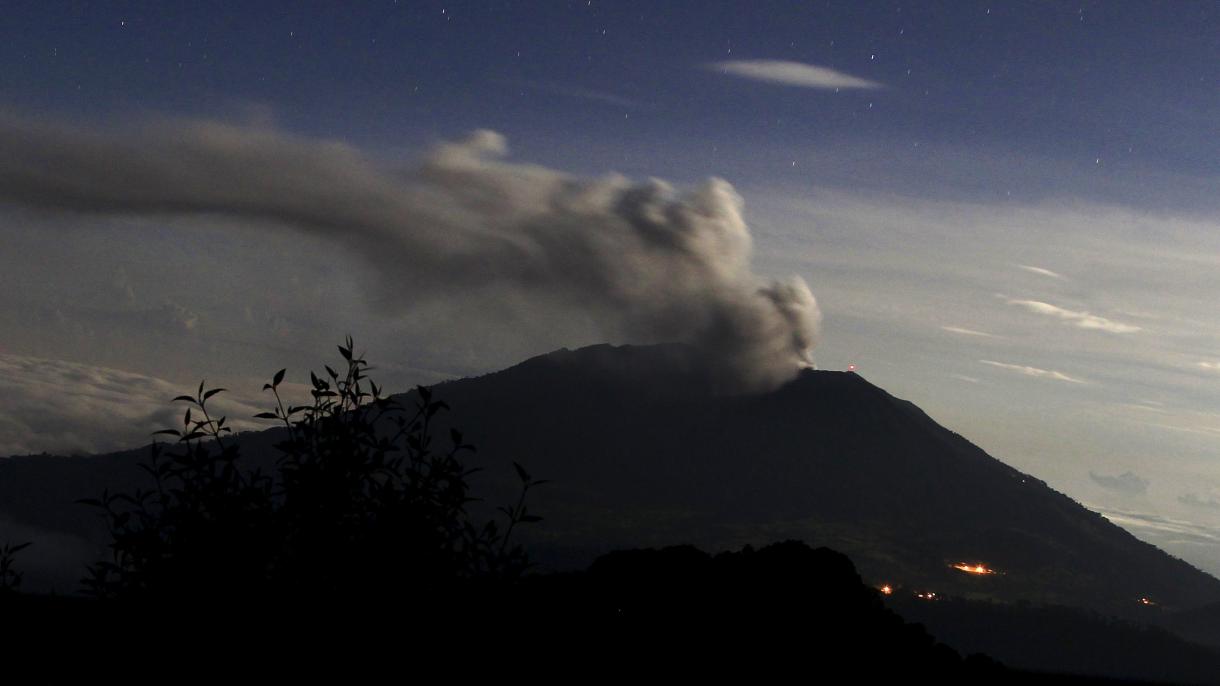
x=978, y=568
x=1146, y=601
x=926, y=595
x=886, y=589
x=851, y=367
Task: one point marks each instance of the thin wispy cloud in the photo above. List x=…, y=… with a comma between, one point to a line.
x=1193, y=500
x=1033, y=371
x=1210, y=366
x=969, y=332
x=588, y=94
x=1077, y=318
x=788, y=73
x=1041, y=271
x=963, y=377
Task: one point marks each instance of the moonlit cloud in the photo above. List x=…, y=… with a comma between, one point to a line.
x=1079, y=319
x=968, y=332
x=793, y=74
x=1033, y=371
x=1040, y=271
x=1127, y=483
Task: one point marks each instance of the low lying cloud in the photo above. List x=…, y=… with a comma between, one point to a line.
x=1127, y=483
x=645, y=262
x=793, y=74
x=1162, y=530
x=1033, y=371
x=1210, y=366
x=66, y=407
x=1080, y=319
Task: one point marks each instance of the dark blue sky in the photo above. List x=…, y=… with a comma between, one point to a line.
x=1134, y=84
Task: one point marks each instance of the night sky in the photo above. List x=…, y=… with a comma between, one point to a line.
x=1007, y=212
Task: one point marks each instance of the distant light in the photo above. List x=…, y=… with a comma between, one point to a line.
x=851, y=367
x=1146, y=601
x=886, y=589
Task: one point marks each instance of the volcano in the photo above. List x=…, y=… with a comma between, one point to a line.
x=642, y=449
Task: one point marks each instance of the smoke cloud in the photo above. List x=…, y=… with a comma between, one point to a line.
x=648, y=262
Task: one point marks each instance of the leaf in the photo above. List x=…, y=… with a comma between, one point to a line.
x=213, y=392
x=187, y=398
x=279, y=376
x=266, y=415
x=525, y=476
x=170, y=432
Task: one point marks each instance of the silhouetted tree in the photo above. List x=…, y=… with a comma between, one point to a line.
x=361, y=502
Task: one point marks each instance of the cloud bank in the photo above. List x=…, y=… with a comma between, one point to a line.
x=793, y=74
x=65, y=407
x=647, y=262
x=1079, y=319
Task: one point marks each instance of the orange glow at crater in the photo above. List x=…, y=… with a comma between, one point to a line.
x=886, y=589
x=977, y=568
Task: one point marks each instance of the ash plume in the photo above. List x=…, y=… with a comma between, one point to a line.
x=649, y=263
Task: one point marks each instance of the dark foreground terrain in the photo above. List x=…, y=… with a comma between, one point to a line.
x=785, y=611
x=355, y=534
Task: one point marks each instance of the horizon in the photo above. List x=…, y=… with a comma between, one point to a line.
x=1006, y=213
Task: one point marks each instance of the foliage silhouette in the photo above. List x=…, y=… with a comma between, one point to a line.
x=10, y=578
x=361, y=502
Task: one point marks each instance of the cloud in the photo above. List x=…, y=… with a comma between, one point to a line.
x=963, y=377
x=1082, y=320
x=793, y=74
x=1127, y=483
x=968, y=332
x=584, y=94
x=1193, y=500
x=644, y=261
x=1210, y=366
x=1040, y=271
x=1158, y=526
x=1033, y=371
x=67, y=407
